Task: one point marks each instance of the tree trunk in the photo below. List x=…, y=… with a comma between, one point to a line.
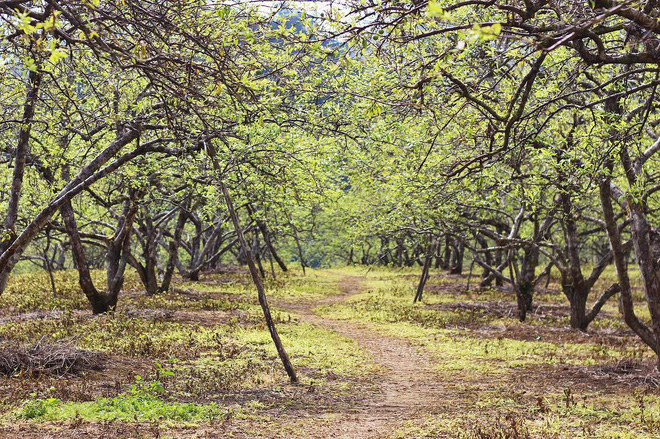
x=528, y=273
x=261, y=291
x=49, y=265
x=303, y=264
x=486, y=279
x=173, y=251
x=446, y=263
x=256, y=251
x=384, y=252
x=399, y=252
x=430, y=250
x=271, y=249
x=97, y=300
x=119, y=249
x=578, y=303
x=458, y=252
x=626, y=304
x=22, y=149
x=87, y=176
x=522, y=291
x=258, y=282
x=438, y=254
x=20, y=158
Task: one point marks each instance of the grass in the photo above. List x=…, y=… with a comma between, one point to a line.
x=128, y=408
x=580, y=416
x=536, y=379
x=317, y=284
x=202, y=354
x=208, y=336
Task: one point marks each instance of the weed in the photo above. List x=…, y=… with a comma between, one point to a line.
x=143, y=402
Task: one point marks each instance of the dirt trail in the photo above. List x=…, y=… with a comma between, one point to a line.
x=407, y=388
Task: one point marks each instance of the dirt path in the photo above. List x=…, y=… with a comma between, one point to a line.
x=406, y=388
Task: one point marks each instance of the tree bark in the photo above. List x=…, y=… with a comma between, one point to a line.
x=458, y=252
x=97, y=300
x=269, y=243
x=625, y=298
x=430, y=251
x=173, y=251
x=20, y=158
x=87, y=176
x=258, y=282
x=303, y=264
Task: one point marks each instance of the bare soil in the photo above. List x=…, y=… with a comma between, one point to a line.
x=405, y=388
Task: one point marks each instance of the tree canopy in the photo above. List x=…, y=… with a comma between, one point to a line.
x=518, y=138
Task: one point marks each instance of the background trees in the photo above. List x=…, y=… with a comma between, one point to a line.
x=514, y=139
x=112, y=97
x=558, y=104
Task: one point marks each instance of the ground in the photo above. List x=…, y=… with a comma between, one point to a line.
x=198, y=362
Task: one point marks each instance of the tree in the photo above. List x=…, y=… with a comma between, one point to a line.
x=540, y=71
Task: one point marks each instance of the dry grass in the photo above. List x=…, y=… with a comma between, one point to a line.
x=47, y=358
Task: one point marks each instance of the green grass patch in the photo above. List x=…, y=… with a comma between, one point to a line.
x=136, y=406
